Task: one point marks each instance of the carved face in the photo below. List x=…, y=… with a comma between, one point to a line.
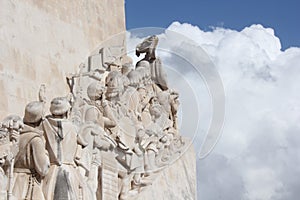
x=4, y=136
x=155, y=108
x=95, y=91
x=134, y=78
x=126, y=68
x=60, y=107
x=2, y=161
x=175, y=103
x=115, y=84
x=164, y=100
x=142, y=93
x=155, y=111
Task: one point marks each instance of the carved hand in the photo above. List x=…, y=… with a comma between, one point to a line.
x=42, y=94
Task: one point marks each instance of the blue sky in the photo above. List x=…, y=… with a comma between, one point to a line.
x=257, y=156
x=282, y=16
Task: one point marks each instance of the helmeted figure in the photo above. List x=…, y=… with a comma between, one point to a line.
x=63, y=180
x=32, y=161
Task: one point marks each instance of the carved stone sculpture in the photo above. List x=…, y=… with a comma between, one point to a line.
x=32, y=161
x=63, y=180
x=107, y=139
x=148, y=46
x=10, y=134
x=4, y=152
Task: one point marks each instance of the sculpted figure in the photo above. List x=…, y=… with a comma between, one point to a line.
x=134, y=78
x=108, y=147
x=9, y=147
x=174, y=101
x=147, y=90
x=3, y=178
x=4, y=150
x=122, y=97
x=63, y=180
x=143, y=68
x=32, y=161
x=126, y=68
x=155, y=133
x=170, y=103
x=124, y=101
x=173, y=143
x=148, y=46
x=115, y=86
x=97, y=117
x=98, y=110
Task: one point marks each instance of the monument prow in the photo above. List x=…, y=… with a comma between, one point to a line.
x=110, y=131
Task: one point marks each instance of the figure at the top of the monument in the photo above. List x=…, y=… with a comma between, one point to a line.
x=148, y=46
x=158, y=75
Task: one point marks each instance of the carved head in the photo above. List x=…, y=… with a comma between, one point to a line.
x=126, y=68
x=95, y=91
x=148, y=46
x=134, y=78
x=174, y=96
x=155, y=108
x=142, y=93
x=115, y=84
x=127, y=65
x=33, y=112
x=4, y=136
x=164, y=100
x=60, y=106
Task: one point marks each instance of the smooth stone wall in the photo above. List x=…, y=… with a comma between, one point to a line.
x=43, y=41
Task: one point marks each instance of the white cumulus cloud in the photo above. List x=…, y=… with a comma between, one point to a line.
x=258, y=155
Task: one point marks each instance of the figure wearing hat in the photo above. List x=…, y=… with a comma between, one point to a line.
x=63, y=180
x=158, y=75
x=32, y=161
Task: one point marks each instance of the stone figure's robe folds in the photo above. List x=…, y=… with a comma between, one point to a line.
x=63, y=180
x=32, y=164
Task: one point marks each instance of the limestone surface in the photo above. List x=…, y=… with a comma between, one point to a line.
x=42, y=41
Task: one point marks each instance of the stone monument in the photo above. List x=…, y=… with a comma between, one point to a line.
x=110, y=131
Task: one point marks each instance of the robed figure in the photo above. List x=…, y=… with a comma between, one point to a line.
x=63, y=180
